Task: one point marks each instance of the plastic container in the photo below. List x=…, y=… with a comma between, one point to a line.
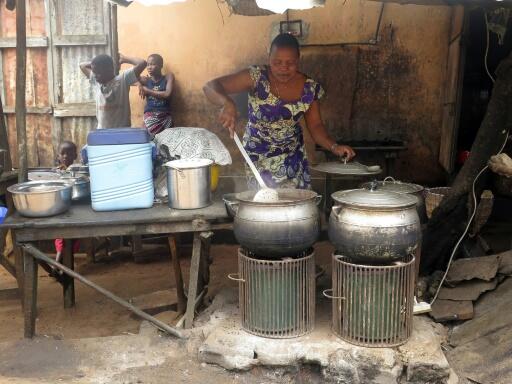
x=121, y=169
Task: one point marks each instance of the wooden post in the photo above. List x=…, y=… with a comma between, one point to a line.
x=178, y=277
x=21, y=69
x=4, y=142
x=193, y=278
x=68, y=285
x=115, y=38
x=29, y=295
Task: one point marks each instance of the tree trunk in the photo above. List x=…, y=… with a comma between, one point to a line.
x=450, y=218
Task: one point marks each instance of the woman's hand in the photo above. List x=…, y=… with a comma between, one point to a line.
x=227, y=116
x=343, y=151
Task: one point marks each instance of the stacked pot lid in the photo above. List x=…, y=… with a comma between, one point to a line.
x=374, y=199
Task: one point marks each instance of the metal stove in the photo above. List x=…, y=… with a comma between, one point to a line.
x=277, y=296
x=373, y=304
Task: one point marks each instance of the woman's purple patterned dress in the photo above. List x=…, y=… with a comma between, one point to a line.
x=273, y=136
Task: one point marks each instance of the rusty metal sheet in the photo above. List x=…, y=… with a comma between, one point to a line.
x=77, y=128
x=35, y=19
x=41, y=153
x=37, y=76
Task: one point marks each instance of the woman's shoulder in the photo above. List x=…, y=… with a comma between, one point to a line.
x=313, y=87
x=258, y=73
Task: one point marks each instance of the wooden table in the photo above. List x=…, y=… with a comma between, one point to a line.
x=82, y=222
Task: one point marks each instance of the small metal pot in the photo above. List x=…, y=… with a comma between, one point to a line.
x=188, y=183
x=41, y=198
x=277, y=229
x=81, y=187
x=389, y=184
x=374, y=226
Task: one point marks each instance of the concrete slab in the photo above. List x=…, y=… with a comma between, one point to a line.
x=451, y=310
x=484, y=268
x=226, y=344
x=467, y=290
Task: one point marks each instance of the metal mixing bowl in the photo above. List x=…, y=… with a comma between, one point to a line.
x=41, y=198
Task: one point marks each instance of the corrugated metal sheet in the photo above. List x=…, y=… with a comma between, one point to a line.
x=75, y=87
x=80, y=17
x=76, y=129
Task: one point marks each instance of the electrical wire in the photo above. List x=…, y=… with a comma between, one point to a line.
x=468, y=225
x=487, y=32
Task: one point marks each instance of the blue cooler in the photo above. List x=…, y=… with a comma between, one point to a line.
x=120, y=168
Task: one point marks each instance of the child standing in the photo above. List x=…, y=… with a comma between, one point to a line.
x=67, y=155
x=112, y=92
x=156, y=89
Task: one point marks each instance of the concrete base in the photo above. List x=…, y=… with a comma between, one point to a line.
x=226, y=344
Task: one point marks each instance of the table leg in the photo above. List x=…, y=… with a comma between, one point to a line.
x=29, y=294
x=18, y=263
x=192, y=285
x=178, y=277
x=68, y=283
x=205, y=261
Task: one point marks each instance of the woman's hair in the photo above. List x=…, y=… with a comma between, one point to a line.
x=158, y=58
x=285, y=40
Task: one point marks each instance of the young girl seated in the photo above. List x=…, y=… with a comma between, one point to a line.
x=156, y=89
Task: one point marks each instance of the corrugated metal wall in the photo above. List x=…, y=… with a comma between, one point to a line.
x=60, y=35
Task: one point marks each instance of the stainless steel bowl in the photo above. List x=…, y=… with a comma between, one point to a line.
x=41, y=198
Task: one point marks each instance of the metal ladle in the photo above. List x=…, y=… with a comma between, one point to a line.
x=265, y=194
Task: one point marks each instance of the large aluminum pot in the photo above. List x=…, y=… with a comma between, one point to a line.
x=389, y=184
x=373, y=226
x=276, y=229
x=41, y=198
x=81, y=185
x=188, y=183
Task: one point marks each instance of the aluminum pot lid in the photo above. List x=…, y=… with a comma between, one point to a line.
x=286, y=196
x=352, y=168
x=392, y=185
x=378, y=199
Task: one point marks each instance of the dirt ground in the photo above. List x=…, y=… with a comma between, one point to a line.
x=96, y=316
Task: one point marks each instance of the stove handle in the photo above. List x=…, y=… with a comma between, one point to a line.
x=318, y=199
x=231, y=276
x=331, y=296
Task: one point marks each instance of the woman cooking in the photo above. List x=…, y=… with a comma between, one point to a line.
x=279, y=96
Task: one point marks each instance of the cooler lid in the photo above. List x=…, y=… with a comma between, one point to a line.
x=117, y=136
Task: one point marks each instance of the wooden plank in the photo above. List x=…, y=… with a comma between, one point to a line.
x=482, y=3
x=46, y=110
x=21, y=78
x=74, y=110
x=80, y=232
x=81, y=40
x=68, y=285
x=30, y=294
x=50, y=58
x=114, y=37
x=32, y=42
x=193, y=279
x=452, y=92
x=83, y=215
x=178, y=276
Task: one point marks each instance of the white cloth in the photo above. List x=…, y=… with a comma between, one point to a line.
x=187, y=143
x=191, y=143
x=113, y=100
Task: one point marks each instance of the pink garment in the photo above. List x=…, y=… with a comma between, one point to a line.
x=59, y=245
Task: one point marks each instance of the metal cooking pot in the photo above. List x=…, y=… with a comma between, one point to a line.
x=389, y=184
x=276, y=229
x=41, y=198
x=374, y=226
x=188, y=183
x=81, y=187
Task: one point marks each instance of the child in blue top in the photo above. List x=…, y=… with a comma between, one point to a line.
x=156, y=89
